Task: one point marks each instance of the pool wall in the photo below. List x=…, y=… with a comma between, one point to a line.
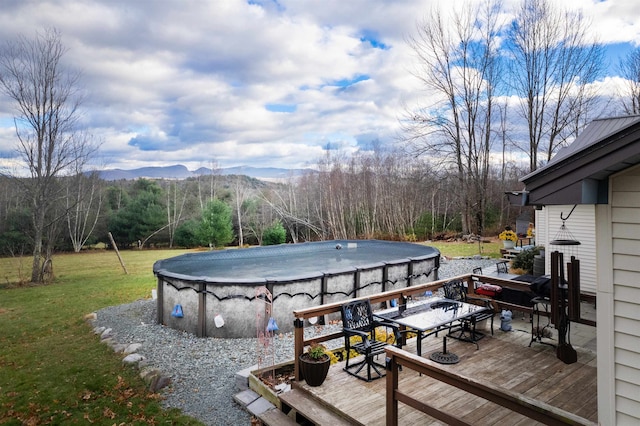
x=235, y=301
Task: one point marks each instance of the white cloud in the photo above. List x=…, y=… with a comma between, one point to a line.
x=189, y=81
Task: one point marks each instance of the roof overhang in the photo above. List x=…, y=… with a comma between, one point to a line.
x=517, y=198
x=583, y=176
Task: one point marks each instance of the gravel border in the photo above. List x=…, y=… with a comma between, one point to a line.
x=202, y=370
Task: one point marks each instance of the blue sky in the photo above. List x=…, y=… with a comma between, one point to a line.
x=249, y=83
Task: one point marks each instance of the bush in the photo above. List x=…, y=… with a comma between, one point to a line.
x=524, y=259
x=187, y=234
x=275, y=234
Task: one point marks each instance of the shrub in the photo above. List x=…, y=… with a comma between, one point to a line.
x=275, y=234
x=524, y=259
x=187, y=234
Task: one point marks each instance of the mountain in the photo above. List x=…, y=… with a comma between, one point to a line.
x=179, y=171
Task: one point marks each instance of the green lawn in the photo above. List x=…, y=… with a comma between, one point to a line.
x=53, y=369
x=461, y=249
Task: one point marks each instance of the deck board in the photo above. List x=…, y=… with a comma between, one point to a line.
x=505, y=360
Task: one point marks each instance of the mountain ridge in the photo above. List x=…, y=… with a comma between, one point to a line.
x=179, y=171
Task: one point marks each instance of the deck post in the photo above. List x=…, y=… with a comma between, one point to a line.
x=298, y=346
x=392, y=385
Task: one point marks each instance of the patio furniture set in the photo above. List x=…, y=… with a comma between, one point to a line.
x=456, y=313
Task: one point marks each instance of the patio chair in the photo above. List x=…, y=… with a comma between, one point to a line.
x=502, y=267
x=465, y=329
x=358, y=322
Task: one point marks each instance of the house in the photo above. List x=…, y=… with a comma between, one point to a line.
x=599, y=174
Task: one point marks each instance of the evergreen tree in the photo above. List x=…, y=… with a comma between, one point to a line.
x=216, y=227
x=275, y=234
x=142, y=217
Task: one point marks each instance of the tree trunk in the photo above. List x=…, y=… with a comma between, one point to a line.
x=36, y=268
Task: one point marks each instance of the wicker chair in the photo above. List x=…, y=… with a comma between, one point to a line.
x=358, y=322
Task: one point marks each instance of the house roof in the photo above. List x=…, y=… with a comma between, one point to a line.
x=579, y=173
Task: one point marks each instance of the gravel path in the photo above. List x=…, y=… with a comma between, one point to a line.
x=203, y=371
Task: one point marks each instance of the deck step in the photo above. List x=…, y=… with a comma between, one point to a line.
x=275, y=417
x=307, y=408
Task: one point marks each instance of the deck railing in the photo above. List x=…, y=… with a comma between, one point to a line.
x=533, y=409
x=334, y=308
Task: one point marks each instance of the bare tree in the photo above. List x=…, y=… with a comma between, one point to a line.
x=83, y=207
x=629, y=68
x=46, y=113
x=283, y=203
x=554, y=62
x=213, y=175
x=459, y=65
x=176, y=200
x=240, y=196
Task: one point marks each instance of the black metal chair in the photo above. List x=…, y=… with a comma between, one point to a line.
x=502, y=267
x=465, y=329
x=476, y=281
x=358, y=322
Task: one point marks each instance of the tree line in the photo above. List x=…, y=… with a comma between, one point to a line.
x=498, y=95
x=384, y=195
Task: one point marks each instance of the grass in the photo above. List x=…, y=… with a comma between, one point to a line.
x=53, y=369
x=462, y=249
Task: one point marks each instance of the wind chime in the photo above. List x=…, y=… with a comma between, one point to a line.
x=565, y=293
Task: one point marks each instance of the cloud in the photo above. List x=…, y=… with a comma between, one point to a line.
x=259, y=82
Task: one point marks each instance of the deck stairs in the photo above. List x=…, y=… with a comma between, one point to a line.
x=301, y=408
x=508, y=254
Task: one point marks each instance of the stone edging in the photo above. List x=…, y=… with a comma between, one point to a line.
x=154, y=378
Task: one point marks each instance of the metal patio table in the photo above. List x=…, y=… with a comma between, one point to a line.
x=429, y=316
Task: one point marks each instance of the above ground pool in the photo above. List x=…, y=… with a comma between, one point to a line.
x=222, y=293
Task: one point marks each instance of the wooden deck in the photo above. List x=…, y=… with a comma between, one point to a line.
x=505, y=360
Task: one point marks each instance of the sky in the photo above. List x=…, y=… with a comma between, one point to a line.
x=258, y=83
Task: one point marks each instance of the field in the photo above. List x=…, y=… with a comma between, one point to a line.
x=53, y=369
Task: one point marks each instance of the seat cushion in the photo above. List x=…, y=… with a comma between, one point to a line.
x=490, y=290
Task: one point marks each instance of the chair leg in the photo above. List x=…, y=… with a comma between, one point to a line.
x=370, y=363
x=373, y=364
x=467, y=333
x=348, y=350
